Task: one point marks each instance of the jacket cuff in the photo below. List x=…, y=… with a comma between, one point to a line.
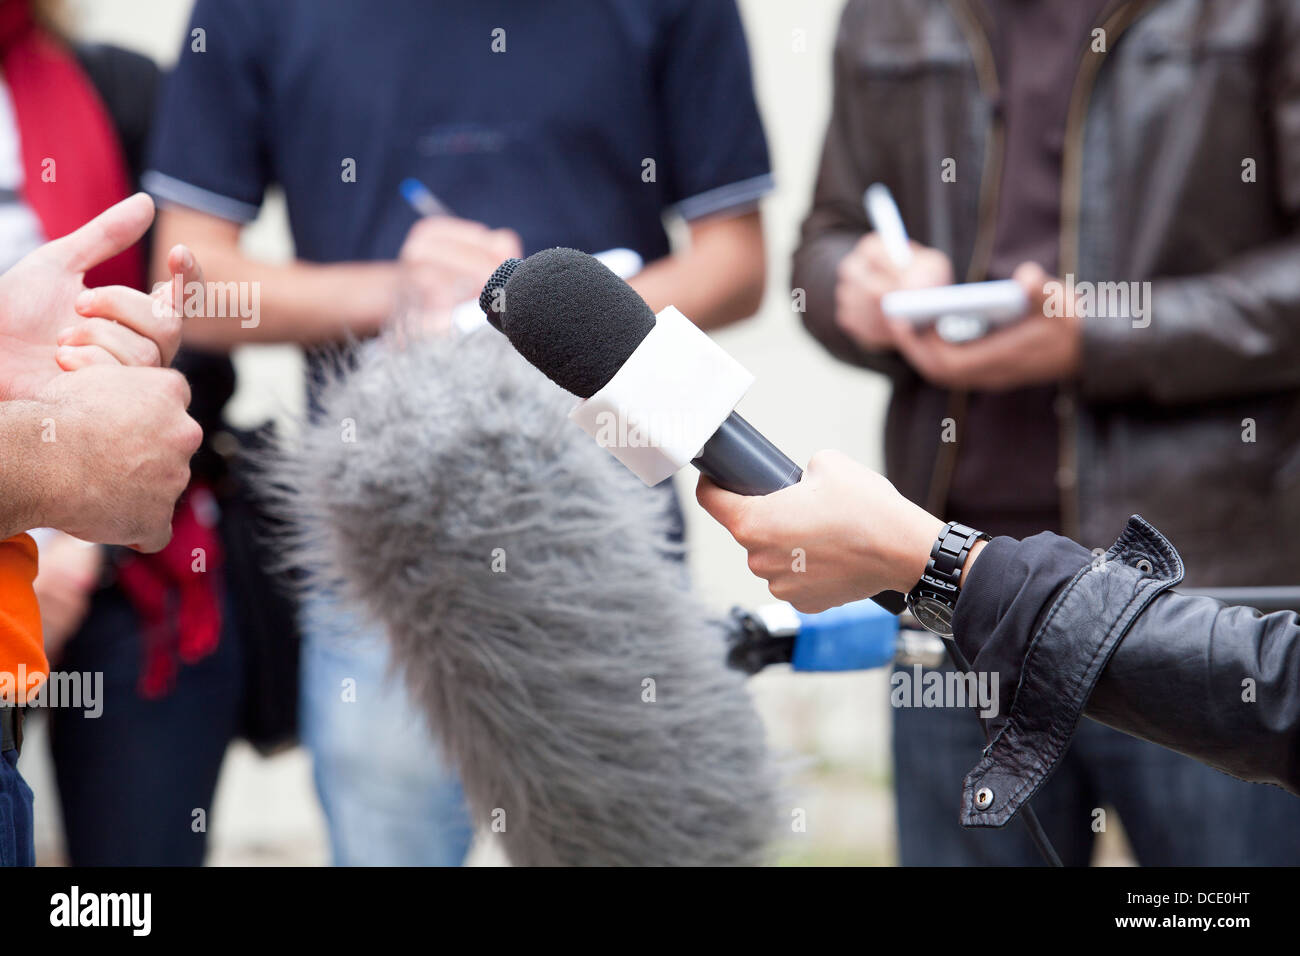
x=1069, y=649
x=1000, y=604
x=1010, y=572
x=980, y=604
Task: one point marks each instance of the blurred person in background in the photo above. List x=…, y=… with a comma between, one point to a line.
x=1139, y=141
x=90, y=446
x=576, y=124
x=73, y=126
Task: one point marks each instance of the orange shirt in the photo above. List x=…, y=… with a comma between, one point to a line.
x=23, y=666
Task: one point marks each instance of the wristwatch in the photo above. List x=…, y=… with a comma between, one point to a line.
x=934, y=598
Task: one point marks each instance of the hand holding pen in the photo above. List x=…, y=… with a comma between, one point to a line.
x=882, y=261
x=451, y=257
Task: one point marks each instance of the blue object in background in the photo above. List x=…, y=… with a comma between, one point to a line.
x=856, y=636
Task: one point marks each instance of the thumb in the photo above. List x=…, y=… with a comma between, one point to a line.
x=826, y=460
x=115, y=229
x=1033, y=278
x=724, y=506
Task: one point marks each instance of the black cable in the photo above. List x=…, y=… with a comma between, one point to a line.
x=1027, y=814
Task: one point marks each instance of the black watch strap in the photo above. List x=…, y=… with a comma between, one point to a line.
x=942, y=578
x=951, y=548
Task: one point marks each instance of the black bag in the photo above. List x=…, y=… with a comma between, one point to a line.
x=262, y=599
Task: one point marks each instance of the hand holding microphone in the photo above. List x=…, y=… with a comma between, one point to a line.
x=855, y=533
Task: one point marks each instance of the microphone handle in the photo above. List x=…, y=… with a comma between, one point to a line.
x=739, y=459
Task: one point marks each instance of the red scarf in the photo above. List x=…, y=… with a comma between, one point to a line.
x=61, y=119
x=176, y=593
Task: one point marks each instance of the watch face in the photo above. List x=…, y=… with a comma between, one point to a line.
x=933, y=615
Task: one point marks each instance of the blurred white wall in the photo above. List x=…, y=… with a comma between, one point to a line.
x=803, y=400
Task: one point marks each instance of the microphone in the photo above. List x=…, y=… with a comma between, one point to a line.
x=526, y=588
x=857, y=636
x=657, y=391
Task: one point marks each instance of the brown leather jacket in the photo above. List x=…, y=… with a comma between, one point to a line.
x=1164, y=132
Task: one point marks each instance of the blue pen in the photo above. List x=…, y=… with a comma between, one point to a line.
x=421, y=198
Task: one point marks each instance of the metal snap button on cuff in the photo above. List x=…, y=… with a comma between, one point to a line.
x=1145, y=566
x=983, y=798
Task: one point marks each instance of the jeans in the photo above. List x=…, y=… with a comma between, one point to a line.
x=131, y=780
x=388, y=796
x=17, y=836
x=1174, y=810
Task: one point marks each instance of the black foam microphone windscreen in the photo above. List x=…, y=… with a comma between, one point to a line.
x=569, y=315
x=525, y=582
x=491, y=301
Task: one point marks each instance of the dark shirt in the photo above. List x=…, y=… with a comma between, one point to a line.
x=1005, y=479
x=550, y=137
x=127, y=84
x=551, y=134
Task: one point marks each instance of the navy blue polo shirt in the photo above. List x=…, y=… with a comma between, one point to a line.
x=549, y=133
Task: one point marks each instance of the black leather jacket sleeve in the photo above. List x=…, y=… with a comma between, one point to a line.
x=1105, y=637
